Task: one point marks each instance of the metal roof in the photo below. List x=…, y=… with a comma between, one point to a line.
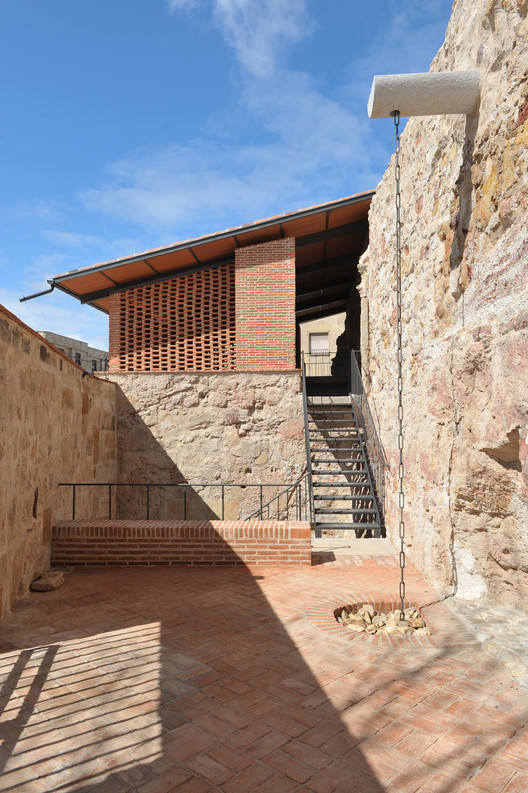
x=324, y=234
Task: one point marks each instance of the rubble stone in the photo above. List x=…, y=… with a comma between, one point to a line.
x=53, y=579
x=368, y=619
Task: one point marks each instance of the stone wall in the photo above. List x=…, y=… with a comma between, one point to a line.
x=465, y=316
x=228, y=427
x=57, y=426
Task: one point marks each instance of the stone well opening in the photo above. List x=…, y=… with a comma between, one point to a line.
x=382, y=618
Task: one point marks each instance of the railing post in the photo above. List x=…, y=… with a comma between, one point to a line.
x=185, y=502
x=223, y=502
x=299, y=496
x=73, y=504
x=261, y=503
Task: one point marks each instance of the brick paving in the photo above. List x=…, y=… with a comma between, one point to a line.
x=198, y=679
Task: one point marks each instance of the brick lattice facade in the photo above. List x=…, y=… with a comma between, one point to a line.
x=234, y=317
x=265, y=306
x=158, y=542
x=185, y=324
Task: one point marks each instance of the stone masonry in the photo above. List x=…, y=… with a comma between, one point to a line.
x=57, y=426
x=465, y=317
x=206, y=428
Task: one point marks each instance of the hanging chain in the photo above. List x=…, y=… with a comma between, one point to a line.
x=401, y=495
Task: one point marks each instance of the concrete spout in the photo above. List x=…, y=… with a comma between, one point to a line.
x=426, y=94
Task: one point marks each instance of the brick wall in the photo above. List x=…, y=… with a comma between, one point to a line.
x=157, y=542
x=265, y=306
x=235, y=317
x=185, y=324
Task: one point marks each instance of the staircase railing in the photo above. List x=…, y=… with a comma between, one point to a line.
x=295, y=498
x=190, y=506
x=309, y=475
x=376, y=454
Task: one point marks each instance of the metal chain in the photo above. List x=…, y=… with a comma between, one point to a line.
x=401, y=495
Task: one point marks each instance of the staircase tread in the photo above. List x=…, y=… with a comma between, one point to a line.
x=344, y=511
x=332, y=472
x=337, y=449
x=346, y=525
x=340, y=460
x=356, y=497
x=344, y=484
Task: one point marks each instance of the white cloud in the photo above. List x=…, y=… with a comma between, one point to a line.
x=313, y=145
x=304, y=145
x=257, y=30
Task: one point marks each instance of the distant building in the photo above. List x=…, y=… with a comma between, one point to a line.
x=90, y=358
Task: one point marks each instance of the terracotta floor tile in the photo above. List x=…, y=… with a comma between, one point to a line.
x=206, y=766
x=248, y=780
x=493, y=777
x=519, y=784
x=230, y=756
x=194, y=785
x=112, y=689
x=186, y=741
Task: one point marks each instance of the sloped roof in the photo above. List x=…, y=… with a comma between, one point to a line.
x=324, y=232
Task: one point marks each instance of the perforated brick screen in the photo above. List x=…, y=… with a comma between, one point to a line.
x=186, y=324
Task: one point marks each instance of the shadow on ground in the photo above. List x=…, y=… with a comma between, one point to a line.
x=197, y=680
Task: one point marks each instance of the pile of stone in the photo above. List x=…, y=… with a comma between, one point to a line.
x=367, y=619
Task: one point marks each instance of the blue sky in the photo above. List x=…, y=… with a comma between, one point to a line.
x=129, y=124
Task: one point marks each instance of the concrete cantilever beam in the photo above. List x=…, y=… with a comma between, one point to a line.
x=424, y=94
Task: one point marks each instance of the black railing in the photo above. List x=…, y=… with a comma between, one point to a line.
x=309, y=476
x=371, y=440
x=298, y=500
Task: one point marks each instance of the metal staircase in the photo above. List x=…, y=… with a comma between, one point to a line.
x=344, y=497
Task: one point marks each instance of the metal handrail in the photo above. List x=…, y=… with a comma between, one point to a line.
x=184, y=485
x=371, y=440
x=296, y=488
x=307, y=440
x=357, y=390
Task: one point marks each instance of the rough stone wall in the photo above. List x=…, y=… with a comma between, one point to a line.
x=206, y=428
x=465, y=316
x=56, y=426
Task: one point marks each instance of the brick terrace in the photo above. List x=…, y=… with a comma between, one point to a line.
x=197, y=680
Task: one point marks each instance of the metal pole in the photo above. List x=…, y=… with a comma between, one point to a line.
x=223, y=497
